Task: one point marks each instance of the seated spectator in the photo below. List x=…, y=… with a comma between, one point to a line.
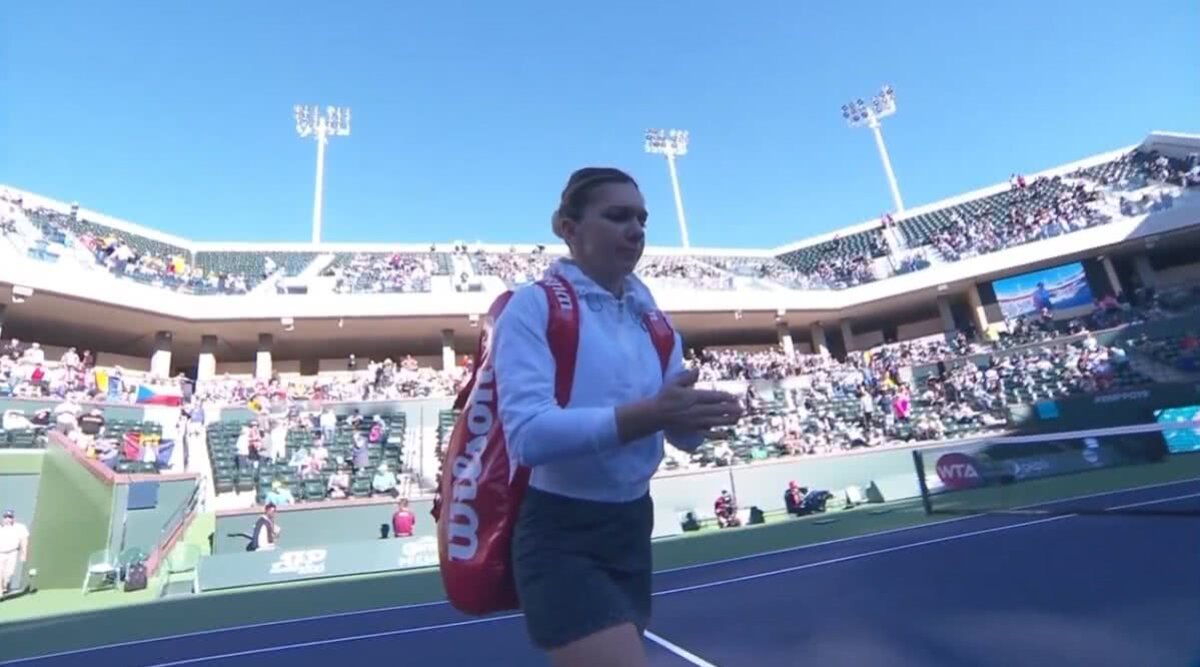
x=301, y=461
x=384, y=482
x=92, y=423
x=339, y=484
x=280, y=495
x=963, y=413
x=319, y=454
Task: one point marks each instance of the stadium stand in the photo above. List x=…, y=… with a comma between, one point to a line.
x=366, y=273
x=841, y=262
x=247, y=366
x=233, y=377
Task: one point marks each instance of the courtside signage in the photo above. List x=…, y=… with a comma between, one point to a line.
x=958, y=471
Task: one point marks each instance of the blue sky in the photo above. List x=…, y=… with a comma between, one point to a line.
x=468, y=115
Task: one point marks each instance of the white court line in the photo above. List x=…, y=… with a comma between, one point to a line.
x=905, y=547
x=695, y=566
x=336, y=640
x=893, y=531
x=683, y=653
x=683, y=589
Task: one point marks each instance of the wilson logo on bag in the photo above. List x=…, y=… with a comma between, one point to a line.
x=480, y=491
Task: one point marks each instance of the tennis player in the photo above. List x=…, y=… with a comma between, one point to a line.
x=581, y=549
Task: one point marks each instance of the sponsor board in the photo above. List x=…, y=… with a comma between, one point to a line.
x=1027, y=468
x=304, y=563
x=958, y=471
x=418, y=552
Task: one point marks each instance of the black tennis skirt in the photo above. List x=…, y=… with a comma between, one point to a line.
x=582, y=566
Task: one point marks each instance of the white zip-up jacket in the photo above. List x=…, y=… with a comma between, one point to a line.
x=575, y=451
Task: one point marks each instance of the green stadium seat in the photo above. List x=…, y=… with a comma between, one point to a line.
x=314, y=489
x=244, y=483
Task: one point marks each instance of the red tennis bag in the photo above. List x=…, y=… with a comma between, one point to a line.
x=481, y=490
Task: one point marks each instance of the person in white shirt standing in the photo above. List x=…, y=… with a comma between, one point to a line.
x=14, y=548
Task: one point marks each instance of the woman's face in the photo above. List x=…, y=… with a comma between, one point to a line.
x=610, y=236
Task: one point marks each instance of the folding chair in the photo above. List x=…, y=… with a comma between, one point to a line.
x=103, y=565
x=184, y=560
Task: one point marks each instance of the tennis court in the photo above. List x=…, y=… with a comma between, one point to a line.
x=1101, y=587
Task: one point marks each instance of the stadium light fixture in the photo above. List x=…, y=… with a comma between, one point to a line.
x=859, y=113
x=671, y=144
x=311, y=122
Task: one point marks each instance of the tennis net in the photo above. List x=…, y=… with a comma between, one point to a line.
x=1057, y=473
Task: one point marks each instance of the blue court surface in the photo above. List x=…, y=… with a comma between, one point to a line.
x=1054, y=589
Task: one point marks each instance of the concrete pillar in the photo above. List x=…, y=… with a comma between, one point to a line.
x=847, y=335
x=819, y=344
x=946, y=315
x=447, y=349
x=1111, y=271
x=977, y=311
x=263, y=364
x=206, y=366
x=1145, y=272
x=160, y=361
x=785, y=338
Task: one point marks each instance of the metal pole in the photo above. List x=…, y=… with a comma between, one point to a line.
x=683, y=232
x=318, y=194
x=877, y=129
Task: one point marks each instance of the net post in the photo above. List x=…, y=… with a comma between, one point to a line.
x=919, y=462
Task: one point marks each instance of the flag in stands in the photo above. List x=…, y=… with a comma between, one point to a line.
x=171, y=397
x=131, y=446
x=166, y=448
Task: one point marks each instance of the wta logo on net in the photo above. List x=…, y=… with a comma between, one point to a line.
x=958, y=471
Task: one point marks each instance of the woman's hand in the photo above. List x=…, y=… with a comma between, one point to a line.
x=678, y=407
x=682, y=407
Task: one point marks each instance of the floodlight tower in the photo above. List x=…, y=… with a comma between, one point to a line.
x=859, y=114
x=672, y=144
x=310, y=122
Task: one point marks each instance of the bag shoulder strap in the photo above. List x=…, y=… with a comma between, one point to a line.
x=663, y=336
x=562, y=334
x=485, y=336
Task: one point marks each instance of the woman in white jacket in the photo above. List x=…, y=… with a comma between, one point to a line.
x=581, y=549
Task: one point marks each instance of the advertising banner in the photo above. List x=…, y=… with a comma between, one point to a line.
x=255, y=568
x=998, y=462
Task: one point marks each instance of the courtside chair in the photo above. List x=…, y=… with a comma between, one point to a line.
x=101, y=565
x=183, y=562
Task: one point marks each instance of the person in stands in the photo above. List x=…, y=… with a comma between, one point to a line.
x=581, y=547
